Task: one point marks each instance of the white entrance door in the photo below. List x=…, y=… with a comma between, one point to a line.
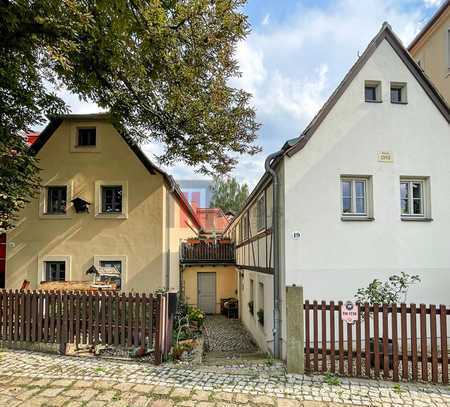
x=206, y=295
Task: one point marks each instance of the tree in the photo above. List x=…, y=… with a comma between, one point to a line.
x=228, y=194
x=161, y=67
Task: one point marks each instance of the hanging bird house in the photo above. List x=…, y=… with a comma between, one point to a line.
x=80, y=205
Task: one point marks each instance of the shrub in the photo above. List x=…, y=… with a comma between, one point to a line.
x=392, y=291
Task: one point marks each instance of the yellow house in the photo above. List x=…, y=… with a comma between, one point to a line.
x=102, y=203
x=431, y=49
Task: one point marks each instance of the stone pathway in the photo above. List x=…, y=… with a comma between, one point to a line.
x=33, y=379
x=227, y=335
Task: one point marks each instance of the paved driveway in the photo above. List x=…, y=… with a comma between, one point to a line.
x=33, y=379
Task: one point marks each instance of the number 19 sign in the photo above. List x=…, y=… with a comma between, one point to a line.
x=349, y=312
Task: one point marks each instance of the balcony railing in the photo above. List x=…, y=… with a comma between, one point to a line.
x=206, y=252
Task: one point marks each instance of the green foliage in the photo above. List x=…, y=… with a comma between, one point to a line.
x=228, y=194
x=251, y=307
x=162, y=69
x=19, y=178
x=397, y=388
x=331, y=379
x=392, y=291
x=196, y=315
x=269, y=359
x=260, y=315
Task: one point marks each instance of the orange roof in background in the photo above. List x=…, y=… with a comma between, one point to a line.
x=31, y=137
x=212, y=220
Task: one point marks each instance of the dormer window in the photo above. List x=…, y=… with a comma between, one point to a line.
x=372, y=91
x=87, y=137
x=398, y=93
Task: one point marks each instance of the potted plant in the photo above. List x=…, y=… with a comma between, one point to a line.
x=250, y=307
x=193, y=240
x=260, y=315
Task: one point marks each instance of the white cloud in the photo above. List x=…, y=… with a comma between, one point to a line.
x=433, y=3
x=266, y=20
x=293, y=65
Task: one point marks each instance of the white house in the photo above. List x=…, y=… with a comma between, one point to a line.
x=363, y=193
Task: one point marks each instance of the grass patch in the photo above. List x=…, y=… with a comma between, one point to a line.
x=331, y=379
x=397, y=388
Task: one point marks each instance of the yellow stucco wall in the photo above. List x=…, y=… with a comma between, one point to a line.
x=139, y=239
x=433, y=53
x=226, y=283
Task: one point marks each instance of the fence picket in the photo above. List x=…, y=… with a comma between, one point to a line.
x=358, y=343
x=394, y=344
x=316, y=337
x=341, y=341
x=385, y=342
x=307, y=339
x=376, y=340
x=414, y=366
x=404, y=336
x=349, y=350
x=332, y=339
x=444, y=351
x=16, y=315
x=367, y=339
x=434, y=349
x=423, y=342
x=11, y=314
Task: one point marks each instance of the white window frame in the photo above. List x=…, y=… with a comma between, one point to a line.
x=378, y=93
x=425, y=198
x=403, y=92
x=42, y=260
x=74, y=147
x=43, y=200
x=98, y=200
x=123, y=259
x=353, y=179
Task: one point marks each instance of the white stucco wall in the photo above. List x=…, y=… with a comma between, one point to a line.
x=334, y=258
x=262, y=334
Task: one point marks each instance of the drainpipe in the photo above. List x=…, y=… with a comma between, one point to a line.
x=276, y=256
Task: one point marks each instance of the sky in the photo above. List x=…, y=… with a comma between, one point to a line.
x=296, y=54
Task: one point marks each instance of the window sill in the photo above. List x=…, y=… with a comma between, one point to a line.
x=399, y=103
x=55, y=216
x=357, y=219
x=412, y=219
x=102, y=215
x=373, y=101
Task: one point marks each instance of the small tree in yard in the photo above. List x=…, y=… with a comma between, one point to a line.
x=228, y=194
x=392, y=291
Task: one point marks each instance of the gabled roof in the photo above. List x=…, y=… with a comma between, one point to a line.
x=430, y=24
x=387, y=34
x=294, y=145
x=55, y=122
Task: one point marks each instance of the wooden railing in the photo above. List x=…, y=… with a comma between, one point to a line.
x=207, y=252
x=62, y=317
x=405, y=342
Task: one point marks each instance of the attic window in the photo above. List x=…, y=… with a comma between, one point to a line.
x=398, y=93
x=372, y=91
x=87, y=137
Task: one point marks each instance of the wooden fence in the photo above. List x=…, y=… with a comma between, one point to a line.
x=204, y=252
x=399, y=342
x=92, y=318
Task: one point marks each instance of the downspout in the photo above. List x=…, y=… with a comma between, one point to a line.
x=276, y=256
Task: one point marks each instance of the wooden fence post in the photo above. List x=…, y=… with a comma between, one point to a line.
x=158, y=355
x=295, y=330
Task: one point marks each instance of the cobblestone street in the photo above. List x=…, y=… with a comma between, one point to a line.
x=34, y=379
